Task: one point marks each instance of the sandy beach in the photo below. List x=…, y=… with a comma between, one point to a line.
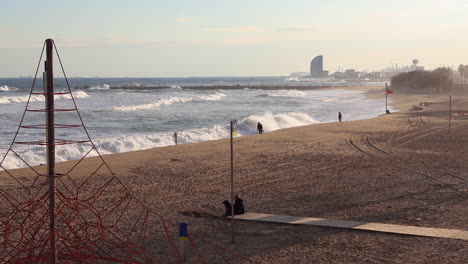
x=402, y=168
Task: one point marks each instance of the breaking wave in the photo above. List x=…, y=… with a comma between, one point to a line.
x=285, y=93
x=100, y=87
x=169, y=101
x=292, y=79
x=246, y=126
x=6, y=88
x=273, y=122
x=38, y=98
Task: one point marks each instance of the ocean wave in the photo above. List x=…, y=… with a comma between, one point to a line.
x=36, y=155
x=285, y=93
x=6, y=88
x=308, y=78
x=39, y=98
x=292, y=79
x=343, y=97
x=253, y=89
x=332, y=100
x=175, y=86
x=273, y=122
x=112, y=145
x=78, y=95
x=211, y=97
x=169, y=101
x=300, y=79
x=100, y=87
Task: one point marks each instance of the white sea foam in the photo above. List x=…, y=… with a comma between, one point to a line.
x=247, y=126
x=100, y=87
x=33, y=156
x=6, y=88
x=292, y=79
x=169, y=101
x=36, y=155
x=39, y=98
x=308, y=78
x=273, y=122
x=159, y=102
x=173, y=86
x=251, y=89
x=331, y=100
x=286, y=93
x=79, y=95
x=301, y=79
x=211, y=97
x=132, y=143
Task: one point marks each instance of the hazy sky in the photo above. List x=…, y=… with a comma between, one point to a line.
x=152, y=38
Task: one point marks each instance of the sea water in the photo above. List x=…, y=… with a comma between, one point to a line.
x=122, y=120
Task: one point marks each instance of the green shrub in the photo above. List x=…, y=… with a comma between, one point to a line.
x=436, y=81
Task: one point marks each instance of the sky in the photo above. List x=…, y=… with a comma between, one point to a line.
x=187, y=38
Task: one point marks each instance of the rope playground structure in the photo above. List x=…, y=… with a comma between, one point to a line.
x=79, y=212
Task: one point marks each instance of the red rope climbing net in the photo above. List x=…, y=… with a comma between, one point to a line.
x=98, y=219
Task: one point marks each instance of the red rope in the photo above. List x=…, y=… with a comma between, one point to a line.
x=200, y=258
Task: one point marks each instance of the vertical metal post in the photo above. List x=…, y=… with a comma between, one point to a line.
x=50, y=134
x=232, y=185
x=450, y=115
x=386, y=95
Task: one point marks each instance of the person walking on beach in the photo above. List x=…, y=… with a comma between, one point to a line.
x=238, y=206
x=339, y=116
x=260, y=128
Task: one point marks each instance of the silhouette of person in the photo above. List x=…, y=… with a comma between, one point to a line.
x=227, y=206
x=175, y=137
x=339, y=116
x=238, y=206
x=260, y=128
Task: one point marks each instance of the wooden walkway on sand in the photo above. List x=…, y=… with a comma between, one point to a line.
x=376, y=227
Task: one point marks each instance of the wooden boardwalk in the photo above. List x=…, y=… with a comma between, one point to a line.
x=376, y=227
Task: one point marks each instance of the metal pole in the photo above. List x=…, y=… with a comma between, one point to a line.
x=386, y=95
x=232, y=185
x=50, y=134
x=450, y=115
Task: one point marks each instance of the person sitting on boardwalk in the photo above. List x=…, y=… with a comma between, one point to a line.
x=227, y=205
x=238, y=206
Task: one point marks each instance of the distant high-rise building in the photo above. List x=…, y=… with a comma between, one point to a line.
x=316, y=67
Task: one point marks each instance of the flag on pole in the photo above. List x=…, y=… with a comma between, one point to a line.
x=389, y=91
x=234, y=128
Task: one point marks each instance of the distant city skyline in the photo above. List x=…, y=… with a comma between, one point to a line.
x=152, y=38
